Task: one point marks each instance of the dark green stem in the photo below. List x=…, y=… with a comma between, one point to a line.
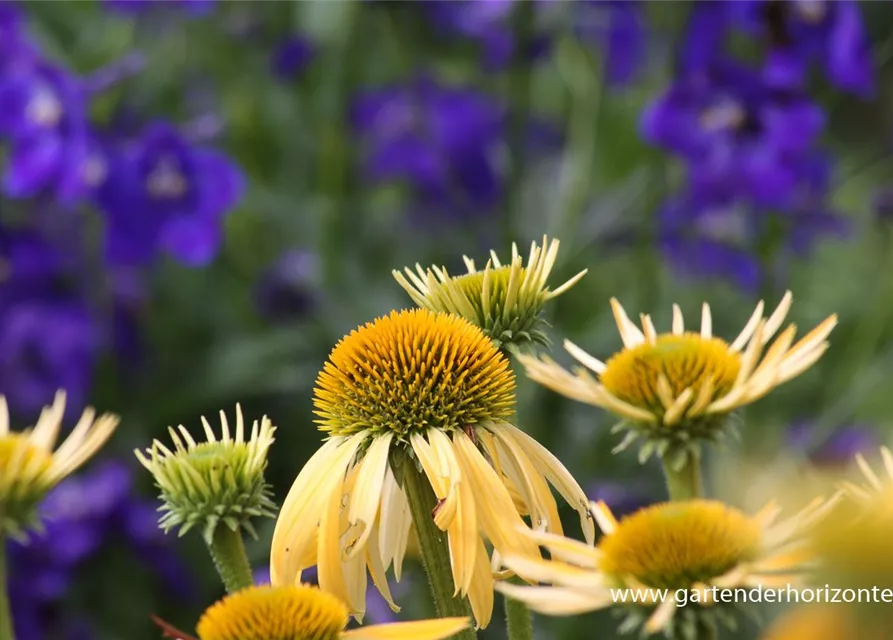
x=518, y=621
x=433, y=544
x=684, y=483
x=228, y=551
x=6, y=632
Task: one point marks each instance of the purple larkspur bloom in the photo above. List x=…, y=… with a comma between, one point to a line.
x=164, y=193
x=440, y=139
x=292, y=56
x=740, y=138
x=43, y=114
x=286, y=289
x=834, y=450
x=803, y=32
x=196, y=8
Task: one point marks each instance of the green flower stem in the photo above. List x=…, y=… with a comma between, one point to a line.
x=518, y=621
x=6, y=632
x=433, y=544
x=684, y=483
x=228, y=551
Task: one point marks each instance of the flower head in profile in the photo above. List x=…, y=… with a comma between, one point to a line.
x=505, y=301
x=676, y=389
x=215, y=482
x=416, y=392
x=301, y=612
x=29, y=467
x=684, y=548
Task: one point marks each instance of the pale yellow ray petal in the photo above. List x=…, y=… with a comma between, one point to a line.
x=555, y=472
x=418, y=630
x=328, y=552
x=556, y=573
x=303, y=506
x=46, y=430
x=814, y=338
x=629, y=333
x=665, y=392
x=648, y=328
x=868, y=472
x=778, y=316
x=566, y=549
x=706, y=322
x=377, y=569
x=480, y=589
x=366, y=496
x=442, y=449
x=556, y=601
x=749, y=328
x=394, y=521
x=4, y=417
x=678, y=321
x=603, y=517
x=495, y=511
x=676, y=412
x=887, y=457
x=593, y=364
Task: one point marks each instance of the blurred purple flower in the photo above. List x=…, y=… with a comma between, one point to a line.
x=164, y=193
x=286, y=290
x=440, y=139
x=883, y=203
x=292, y=56
x=836, y=450
x=623, y=498
x=196, y=8
x=740, y=138
x=619, y=28
x=801, y=33
x=43, y=114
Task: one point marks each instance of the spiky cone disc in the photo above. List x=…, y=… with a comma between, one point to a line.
x=678, y=389
x=301, y=612
x=504, y=301
x=214, y=482
x=29, y=468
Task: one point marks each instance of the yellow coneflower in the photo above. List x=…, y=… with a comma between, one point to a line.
x=660, y=553
x=301, y=612
x=29, y=467
x=505, y=301
x=213, y=483
x=682, y=384
x=430, y=388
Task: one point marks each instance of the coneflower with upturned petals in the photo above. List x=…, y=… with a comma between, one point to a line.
x=674, y=390
x=505, y=301
x=29, y=467
x=432, y=389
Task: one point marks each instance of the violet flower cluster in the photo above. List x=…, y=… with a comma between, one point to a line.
x=749, y=136
x=158, y=191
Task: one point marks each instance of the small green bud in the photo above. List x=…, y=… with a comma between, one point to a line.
x=214, y=482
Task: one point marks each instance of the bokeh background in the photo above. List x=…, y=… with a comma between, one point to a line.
x=199, y=198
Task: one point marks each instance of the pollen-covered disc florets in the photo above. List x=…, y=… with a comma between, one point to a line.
x=28, y=466
x=410, y=371
x=206, y=484
x=275, y=613
x=504, y=301
x=677, y=389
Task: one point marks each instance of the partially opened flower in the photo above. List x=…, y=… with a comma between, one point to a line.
x=661, y=562
x=675, y=389
x=416, y=392
x=29, y=467
x=301, y=612
x=505, y=301
x=215, y=482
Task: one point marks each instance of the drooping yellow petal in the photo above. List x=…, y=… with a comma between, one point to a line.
x=377, y=569
x=556, y=601
x=420, y=630
x=366, y=496
x=395, y=523
x=328, y=555
x=480, y=591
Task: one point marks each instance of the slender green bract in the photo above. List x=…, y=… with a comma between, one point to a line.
x=6, y=632
x=685, y=482
x=228, y=551
x=433, y=544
